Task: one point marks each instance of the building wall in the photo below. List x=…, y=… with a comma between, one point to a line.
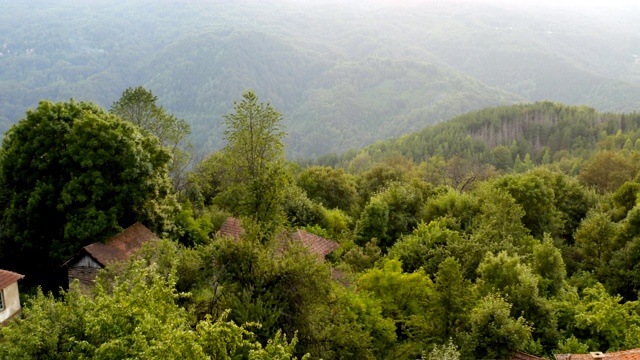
x=11, y=302
x=85, y=274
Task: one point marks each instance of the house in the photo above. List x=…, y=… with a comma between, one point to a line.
x=618, y=355
x=85, y=265
x=9, y=295
x=316, y=245
x=524, y=356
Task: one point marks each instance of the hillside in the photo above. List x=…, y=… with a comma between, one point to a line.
x=518, y=130
x=344, y=75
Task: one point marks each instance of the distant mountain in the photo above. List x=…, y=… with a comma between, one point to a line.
x=536, y=130
x=344, y=74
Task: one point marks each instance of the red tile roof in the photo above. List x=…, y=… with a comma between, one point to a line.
x=524, y=356
x=8, y=277
x=232, y=228
x=618, y=355
x=316, y=245
x=121, y=246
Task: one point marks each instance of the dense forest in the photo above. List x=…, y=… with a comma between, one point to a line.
x=475, y=206
x=363, y=70
x=507, y=229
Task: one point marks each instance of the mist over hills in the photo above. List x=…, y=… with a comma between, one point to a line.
x=344, y=75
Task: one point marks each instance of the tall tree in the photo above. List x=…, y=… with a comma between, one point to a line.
x=72, y=174
x=256, y=173
x=153, y=326
x=139, y=106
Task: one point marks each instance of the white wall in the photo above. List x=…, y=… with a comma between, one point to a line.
x=11, y=302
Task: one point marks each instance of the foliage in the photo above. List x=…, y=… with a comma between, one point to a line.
x=452, y=300
x=428, y=246
x=445, y=352
x=404, y=298
x=73, y=174
x=333, y=188
x=494, y=333
x=138, y=106
x=608, y=170
x=134, y=317
x=255, y=173
x=607, y=323
x=373, y=223
x=537, y=200
x=549, y=266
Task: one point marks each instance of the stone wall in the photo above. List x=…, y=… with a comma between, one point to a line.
x=86, y=275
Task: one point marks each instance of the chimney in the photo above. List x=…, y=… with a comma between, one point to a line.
x=597, y=355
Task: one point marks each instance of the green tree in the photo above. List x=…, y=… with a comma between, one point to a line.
x=608, y=170
x=139, y=106
x=596, y=239
x=537, y=200
x=494, y=333
x=333, y=188
x=507, y=276
x=72, y=174
x=390, y=214
x=428, y=246
x=136, y=316
x=452, y=300
x=605, y=322
x=549, y=266
x=404, y=297
x=255, y=174
x=373, y=223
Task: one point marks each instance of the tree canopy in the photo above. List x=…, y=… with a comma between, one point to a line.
x=255, y=172
x=72, y=174
x=139, y=106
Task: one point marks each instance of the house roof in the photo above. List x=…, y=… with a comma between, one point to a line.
x=524, y=356
x=316, y=245
x=232, y=228
x=8, y=277
x=121, y=246
x=633, y=354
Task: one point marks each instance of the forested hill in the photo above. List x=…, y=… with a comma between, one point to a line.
x=498, y=135
x=344, y=74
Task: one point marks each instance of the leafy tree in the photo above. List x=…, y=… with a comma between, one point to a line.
x=508, y=276
x=596, y=240
x=571, y=345
x=300, y=210
x=255, y=174
x=625, y=198
x=139, y=106
x=607, y=171
x=376, y=179
x=494, y=333
x=404, y=297
x=569, y=197
x=373, y=223
x=549, y=266
x=498, y=225
x=428, y=246
x=462, y=207
x=136, y=316
x=604, y=322
x=453, y=298
x=390, y=214
x=351, y=325
x=333, y=188
x=73, y=174
x=445, y=352
x=537, y=200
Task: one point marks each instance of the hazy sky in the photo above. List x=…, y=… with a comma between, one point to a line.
x=569, y=3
